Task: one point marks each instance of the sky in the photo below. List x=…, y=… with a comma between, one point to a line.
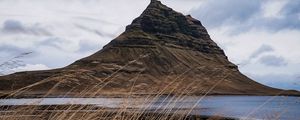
x=261, y=36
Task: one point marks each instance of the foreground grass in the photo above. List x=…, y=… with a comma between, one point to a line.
x=128, y=110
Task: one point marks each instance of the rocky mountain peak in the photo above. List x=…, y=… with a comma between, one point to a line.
x=155, y=1
x=159, y=18
x=161, y=25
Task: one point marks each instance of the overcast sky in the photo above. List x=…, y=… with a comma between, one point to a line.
x=261, y=36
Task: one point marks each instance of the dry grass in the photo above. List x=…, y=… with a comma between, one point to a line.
x=167, y=110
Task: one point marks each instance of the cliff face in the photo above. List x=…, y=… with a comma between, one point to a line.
x=162, y=51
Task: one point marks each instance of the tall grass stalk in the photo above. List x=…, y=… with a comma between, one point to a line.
x=144, y=107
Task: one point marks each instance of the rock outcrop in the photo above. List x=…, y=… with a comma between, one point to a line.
x=161, y=52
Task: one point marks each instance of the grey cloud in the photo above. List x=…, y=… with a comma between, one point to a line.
x=89, y=30
x=87, y=46
x=11, y=62
x=54, y=42
x=13, y=26
x=275, y=61
x=290, y=18
x=17, y=27
x=262, y=49
x=11, y=49
x=100, y=33
x=245, y=15
x=215, y=13
x=94, y=20
x=291, y=12
x=7, y=66
x=283, y=81
x=59, y=43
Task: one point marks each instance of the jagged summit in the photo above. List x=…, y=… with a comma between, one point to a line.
x=158, y=18
x=160, y=50
x=159, y=24
x=153, y=1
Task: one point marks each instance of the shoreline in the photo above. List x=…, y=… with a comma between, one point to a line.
x=134, y=96
x=46, y=110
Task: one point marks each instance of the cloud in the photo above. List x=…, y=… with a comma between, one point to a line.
x=275, y=61
x=8, y=66
x=282, y=15
x=240, y=47
x=272, y=9
x=87, y=46
x=31, y=67
x=15, y=27
x=77, y=28
x=10, y=56
x=262, y=49
x=216, y=13
x=55, y=42
x=247, y=15
x=23, y=67
x=257, y=53
x=283, y=81
x=95, y=31
x=11, y=49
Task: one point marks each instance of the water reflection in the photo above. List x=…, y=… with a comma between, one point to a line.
x=258, y=107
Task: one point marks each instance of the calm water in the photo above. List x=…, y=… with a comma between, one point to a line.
x=255, y=107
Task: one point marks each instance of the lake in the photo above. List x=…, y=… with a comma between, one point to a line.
x=254, y=107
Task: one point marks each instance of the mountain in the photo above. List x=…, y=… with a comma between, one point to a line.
x=160, y=52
